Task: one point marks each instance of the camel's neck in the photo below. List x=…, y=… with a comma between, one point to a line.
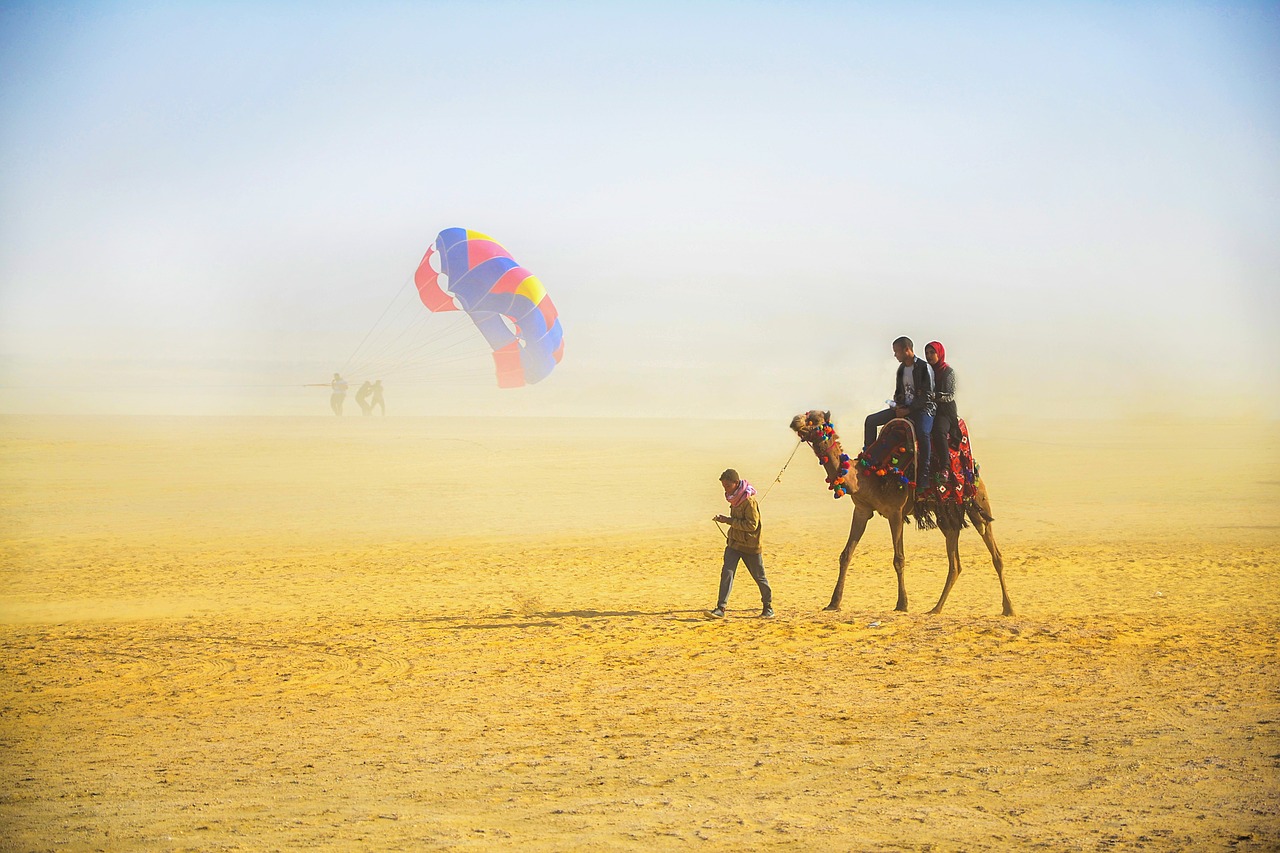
x=838, y=465
x=840, y=478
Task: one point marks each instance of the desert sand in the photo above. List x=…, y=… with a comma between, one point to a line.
x=409, y=634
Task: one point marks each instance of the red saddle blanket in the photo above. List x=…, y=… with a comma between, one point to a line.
x=954, y=472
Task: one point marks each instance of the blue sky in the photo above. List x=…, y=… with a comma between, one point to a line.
x=735, y=206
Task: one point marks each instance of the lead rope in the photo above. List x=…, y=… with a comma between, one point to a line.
x=778, y=479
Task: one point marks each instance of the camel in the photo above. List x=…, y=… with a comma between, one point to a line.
x=871, y=494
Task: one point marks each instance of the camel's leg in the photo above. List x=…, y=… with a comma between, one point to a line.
x=988, y=536
x=899, y=559
x=953, y=566
x=861, y=515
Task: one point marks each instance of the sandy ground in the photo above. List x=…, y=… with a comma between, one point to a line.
x=415, y=634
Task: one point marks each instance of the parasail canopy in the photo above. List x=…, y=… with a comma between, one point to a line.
x=468, y=271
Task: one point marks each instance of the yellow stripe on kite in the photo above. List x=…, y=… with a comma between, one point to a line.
x=532, y=289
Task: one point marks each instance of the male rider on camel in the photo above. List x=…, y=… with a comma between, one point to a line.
x=913, y=399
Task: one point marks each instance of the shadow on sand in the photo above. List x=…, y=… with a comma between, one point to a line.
x=547, y=619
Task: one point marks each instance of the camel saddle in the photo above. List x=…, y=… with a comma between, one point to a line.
x=892, y=459
x=892, y=456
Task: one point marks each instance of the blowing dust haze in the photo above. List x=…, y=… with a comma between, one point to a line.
x=507, y=617
x=208, y=209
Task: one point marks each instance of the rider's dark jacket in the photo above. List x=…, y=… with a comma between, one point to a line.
x=922, y=376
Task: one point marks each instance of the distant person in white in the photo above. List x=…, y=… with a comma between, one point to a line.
x=339, y=386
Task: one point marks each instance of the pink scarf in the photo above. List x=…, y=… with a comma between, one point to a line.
x=740, y=494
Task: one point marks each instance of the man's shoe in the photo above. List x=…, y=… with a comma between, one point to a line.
x=767, y=613
x=718, y=613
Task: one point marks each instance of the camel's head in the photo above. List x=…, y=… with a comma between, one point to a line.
x=815, y=430
x=809, y=425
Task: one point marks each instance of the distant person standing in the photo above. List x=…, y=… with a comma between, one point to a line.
x=742, y=543
x=362, y=398
x=376, y=401
x=339, y=395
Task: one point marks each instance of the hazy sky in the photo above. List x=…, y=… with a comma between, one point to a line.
x=735, y=206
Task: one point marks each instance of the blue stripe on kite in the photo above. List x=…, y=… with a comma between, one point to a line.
x=494, y=330
x=499, y=302
x=537, y=364
x=473, y=286
x=549, y=340
x=518, y=308
x=452, y=245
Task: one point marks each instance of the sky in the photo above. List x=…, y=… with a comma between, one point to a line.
x=735, y=207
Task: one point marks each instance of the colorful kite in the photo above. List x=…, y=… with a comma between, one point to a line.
x=467, y=271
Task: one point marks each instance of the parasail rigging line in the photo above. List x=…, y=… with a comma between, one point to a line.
x=379, y=320
x=392, y=359
x=387, y=347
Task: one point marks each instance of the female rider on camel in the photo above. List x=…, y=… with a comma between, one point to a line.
x=944, y=398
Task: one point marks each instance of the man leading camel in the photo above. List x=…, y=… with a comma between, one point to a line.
x=742, y=543
x=913, y=399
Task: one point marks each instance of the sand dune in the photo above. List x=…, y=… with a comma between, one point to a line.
x=406, y=634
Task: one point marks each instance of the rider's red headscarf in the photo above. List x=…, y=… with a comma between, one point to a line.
x=942, y=354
